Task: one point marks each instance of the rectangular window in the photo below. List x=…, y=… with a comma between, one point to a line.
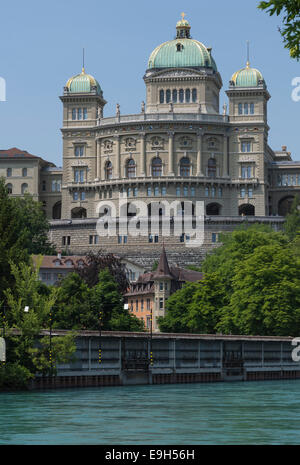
x=135, y=192
x=75, y=196
x=245, y=108
x=213, y=191
x=44, y=186
x=74, y=114
x=81, y=175
x=156, y=239
x=156, y=191
x=185, y=191
x=163, y=191
x=206, y=192
x=119, y=239
x=220, y=192
x=251, y=108
x=249, y=172
x=148, y=304
x=161, y=286
x=142, y=305
x=85, y=113
x=79, y=150
x=240, y=108
x=82, y=196
x=91, y=240
x=192, y=192
x=149, y=191
x=79, y=113
x=150, y=238
x=161, y=303
x=214, y=237
x=243, y=192
x=125, y=240
x=250, y=192
x=178, y=191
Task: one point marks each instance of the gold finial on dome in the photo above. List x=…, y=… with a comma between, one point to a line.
x=248, y=62
x=182, y=15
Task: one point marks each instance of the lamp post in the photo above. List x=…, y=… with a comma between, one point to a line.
x=100, y=324
x=151, y=354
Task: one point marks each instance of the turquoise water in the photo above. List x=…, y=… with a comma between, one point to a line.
x=220, y=413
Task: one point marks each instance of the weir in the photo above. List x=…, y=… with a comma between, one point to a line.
x=176, y=358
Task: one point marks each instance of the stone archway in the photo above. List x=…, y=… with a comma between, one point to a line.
x=246, y=210
x=213, y=209
x=56, y=211
x=78, y=212
x=284, y=205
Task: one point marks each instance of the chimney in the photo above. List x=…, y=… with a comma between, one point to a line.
x=284, y=147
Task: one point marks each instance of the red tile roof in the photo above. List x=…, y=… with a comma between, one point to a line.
x=53, y=261
x=17, y=153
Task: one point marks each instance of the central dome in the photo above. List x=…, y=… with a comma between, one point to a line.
x=182, y=52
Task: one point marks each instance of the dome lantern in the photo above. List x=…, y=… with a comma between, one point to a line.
x=183, y=28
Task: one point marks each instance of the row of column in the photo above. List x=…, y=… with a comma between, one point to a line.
x=117, y=168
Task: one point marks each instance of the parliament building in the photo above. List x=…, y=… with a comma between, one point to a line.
x=182, y=145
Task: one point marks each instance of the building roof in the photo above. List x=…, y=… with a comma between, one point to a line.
x=145, y=282
x=15, y=153
x=59, y=262
x=82, y=83
x=247, y=77
x=182, y=52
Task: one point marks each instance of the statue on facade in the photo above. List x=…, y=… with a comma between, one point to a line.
x=117, y=110
x=143, y=107
x=225, y=109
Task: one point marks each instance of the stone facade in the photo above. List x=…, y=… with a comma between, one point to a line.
x=179, y=147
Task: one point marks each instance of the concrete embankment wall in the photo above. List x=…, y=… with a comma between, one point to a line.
x=136, y=358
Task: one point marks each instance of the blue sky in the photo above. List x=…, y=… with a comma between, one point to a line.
x=41, y=47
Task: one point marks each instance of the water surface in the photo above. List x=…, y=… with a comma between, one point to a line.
x=182, y=414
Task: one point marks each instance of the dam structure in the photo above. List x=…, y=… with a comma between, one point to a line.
x=122, y=358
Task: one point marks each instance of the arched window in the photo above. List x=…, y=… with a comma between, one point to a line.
x=246, y=210
x=161, y=96
x=284, y=205
x=174, y=95
x=211, y=168
x=108, y=170
x=187, y=95
x=56, y=211
x=78, y=212
x=168, y=96
x=130, y=168
x=185, y=167
x=24, y=188
x=181, y=95
x=213, y=209
x=156, y=167
x=194, y=95
x=9, y=188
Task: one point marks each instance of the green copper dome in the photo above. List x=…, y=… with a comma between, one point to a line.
x=83, y=83
x=182, y=52
x=247, y=77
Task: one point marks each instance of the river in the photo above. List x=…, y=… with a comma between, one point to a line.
x=219, y=413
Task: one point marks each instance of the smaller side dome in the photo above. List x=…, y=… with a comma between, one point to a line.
x=247, y=77
x=82, y=83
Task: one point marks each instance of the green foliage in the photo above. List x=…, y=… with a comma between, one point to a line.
x=23, y=231
x=26, y=350
x=291, y=22
x=251, y=285
x=292, y=222
x=79, y=306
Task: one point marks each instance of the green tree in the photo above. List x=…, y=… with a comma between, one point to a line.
x=291, y=22
x=292, y=221
x=266, y=293
x=78, y=306
x=27, y=351
x=23, y=231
